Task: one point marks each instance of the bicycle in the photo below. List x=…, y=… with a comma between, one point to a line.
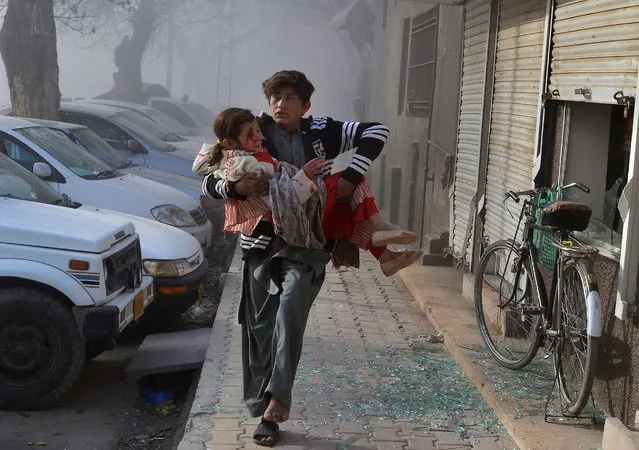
x=509, y=280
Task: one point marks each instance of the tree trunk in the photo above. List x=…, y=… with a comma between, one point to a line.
x=29, y=50
x=128, y=56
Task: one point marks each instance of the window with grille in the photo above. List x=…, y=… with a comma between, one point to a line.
x=418, y=64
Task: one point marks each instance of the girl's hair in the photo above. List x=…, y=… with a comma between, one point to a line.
x=228, y=125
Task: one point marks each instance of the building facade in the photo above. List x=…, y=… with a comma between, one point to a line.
x=416, y=70
x=543, y=95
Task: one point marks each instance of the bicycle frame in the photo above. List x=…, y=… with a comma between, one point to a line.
x=551, y=317
x=528, y=251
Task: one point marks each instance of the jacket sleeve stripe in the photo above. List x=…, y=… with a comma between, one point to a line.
x=379, y=132
x=360, y=163
x=349, y=131
x=219, y=190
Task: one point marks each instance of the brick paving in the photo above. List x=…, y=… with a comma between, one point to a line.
x=367, y=379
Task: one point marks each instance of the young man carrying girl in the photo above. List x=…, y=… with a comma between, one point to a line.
x=281, y=281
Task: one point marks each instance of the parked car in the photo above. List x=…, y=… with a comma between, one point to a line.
x=99, y=148
x=171, y=256
x=67, y=278
x=190, y=114
x=133, y=137
x=72, y=170
x=159, y=117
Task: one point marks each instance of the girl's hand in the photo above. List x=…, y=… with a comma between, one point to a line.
x=314, y=167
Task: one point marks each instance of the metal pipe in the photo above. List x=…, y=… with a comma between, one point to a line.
x=565, y=140
x=422, y=221
x=543, y=86
x=440, y=148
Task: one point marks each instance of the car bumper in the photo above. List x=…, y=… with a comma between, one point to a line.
x=105, y=322
x=177, y=294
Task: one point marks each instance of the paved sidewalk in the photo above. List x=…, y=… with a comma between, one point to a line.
x=369, y=378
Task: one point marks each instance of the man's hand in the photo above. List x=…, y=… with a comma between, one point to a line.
x=252, y=185
x=345, y=189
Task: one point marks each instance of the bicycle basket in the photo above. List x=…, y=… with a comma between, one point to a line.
x=543, y=240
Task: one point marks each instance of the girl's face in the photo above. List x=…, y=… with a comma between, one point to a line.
x=250, y=137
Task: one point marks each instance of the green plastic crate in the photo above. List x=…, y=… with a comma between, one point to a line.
x=544, y=240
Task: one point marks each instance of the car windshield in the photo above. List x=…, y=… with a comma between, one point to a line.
x=137, y=122
x=74, y=157
x=18, y=182
x=203, y=115
x=168, y=121
x=99, y=148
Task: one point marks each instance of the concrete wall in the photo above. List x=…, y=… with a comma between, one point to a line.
x=406, y=153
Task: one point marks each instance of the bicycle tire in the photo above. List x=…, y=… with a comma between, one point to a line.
x=508, y=324
x=574, y=399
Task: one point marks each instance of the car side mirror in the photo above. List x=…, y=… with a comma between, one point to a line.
x=42, y=170
x=135, y=146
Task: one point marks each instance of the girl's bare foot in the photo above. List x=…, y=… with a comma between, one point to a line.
x=386, y=233
x=379, y=224
x=276, y=411
x=392, y=262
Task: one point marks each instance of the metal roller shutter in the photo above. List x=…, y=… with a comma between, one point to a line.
x=476, y=25
x=595, y=49
x=516, y=102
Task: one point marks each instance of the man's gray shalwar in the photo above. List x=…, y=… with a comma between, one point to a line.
x=284, y=281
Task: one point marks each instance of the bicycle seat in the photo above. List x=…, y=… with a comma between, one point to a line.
x=565, y=215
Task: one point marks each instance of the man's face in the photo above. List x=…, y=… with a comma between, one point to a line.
x=286, y=107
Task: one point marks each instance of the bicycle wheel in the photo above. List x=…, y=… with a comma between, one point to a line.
x=577, y=349
x=507, y=308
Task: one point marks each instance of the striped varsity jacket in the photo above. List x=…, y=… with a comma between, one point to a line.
x=321, y=136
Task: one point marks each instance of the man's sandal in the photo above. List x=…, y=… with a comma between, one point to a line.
x=266, y=429
x=382, y=238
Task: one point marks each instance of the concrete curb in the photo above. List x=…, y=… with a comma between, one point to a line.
x=199, y=425
x=618, y=437
x=438, y=292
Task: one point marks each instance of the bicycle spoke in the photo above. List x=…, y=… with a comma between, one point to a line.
x=573, y=358
x=507, y=313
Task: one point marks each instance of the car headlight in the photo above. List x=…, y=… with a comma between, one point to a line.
x=158, y=268
x=173, y=268
x=173, y=215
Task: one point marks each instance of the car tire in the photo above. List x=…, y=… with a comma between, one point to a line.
x=41, y=350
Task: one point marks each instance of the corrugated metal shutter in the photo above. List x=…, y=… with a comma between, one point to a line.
x=596, y=47
x=472, y=103
x=516, y=100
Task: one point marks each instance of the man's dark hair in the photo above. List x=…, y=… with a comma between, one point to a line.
x=292, y=79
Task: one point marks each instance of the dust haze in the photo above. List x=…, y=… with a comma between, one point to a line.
x=244, y=43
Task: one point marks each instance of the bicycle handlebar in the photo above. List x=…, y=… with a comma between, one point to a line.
x=514, y=195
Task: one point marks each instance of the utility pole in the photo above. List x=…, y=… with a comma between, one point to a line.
x=171, y=52
x=225, y=57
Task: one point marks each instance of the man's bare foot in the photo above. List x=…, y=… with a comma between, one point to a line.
x=266, y=434
x=276, y=411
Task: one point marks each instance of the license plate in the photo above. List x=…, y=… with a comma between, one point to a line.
x=138, y=306
x=201, y=291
